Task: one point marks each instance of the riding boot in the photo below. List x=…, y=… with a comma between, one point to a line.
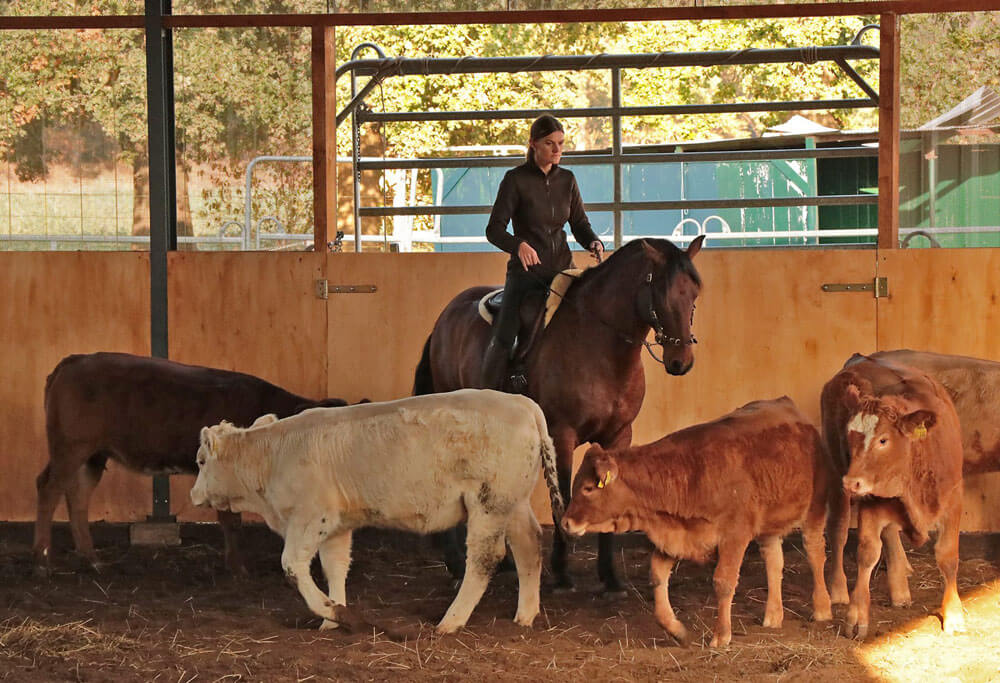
x=494, y=368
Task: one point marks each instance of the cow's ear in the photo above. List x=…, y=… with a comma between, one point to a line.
x=270, y=418
x=853, y=398
x=606, y=469
x=916, y=424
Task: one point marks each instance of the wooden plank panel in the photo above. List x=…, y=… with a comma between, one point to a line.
x=252, y=312
x=945, y=300
x=375, y=340
x=765, y=328
x=58, y=304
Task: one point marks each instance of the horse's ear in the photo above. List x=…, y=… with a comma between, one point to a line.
x=654, y=254
x=695, y=246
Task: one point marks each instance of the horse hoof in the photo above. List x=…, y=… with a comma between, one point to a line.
x=614, y=594
x=563, y=585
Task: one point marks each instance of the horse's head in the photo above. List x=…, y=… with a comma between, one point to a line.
x=666, y=299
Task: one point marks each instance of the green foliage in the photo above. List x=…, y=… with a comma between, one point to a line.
x=244, y=92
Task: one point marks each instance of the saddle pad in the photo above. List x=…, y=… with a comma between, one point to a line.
x=557, y=290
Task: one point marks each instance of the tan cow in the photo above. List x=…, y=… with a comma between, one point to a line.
x=753, y=474
x=420, y=464
x=895, y=435
x=974, y=387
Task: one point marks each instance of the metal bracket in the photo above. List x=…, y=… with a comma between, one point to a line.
x=324, y=289
x=880, y=286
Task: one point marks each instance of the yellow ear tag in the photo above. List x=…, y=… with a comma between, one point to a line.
x=920, y=432
x=604, y=482
x=600, y=483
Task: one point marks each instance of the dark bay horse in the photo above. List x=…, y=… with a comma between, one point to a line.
x=586, y=369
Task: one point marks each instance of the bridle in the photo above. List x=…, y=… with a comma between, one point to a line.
x=660, y=337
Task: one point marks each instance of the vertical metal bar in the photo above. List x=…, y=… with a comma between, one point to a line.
x=616, y=150
x=888, y=133
x=162, y=195
x=324, y=136
x=355, y=168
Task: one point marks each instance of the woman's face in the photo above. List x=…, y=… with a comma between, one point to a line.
x=548, y=150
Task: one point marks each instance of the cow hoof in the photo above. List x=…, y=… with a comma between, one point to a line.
x=614, y=594
x=905, y=601
x=328, y=625
x=720, y=642
x=444, y=629
x=525, y=621
x=857, y=631
x=677, y=631
x=954, y=624
x=773, y=622
x=43, y=571
x=823, y=615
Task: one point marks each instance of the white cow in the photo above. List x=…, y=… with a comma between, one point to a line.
x=422, y=464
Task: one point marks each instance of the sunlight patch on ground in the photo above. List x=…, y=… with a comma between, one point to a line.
x=921, y=652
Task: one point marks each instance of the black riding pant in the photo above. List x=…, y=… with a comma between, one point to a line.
x=519, y=284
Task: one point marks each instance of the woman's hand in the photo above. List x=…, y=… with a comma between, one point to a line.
x=597, y=250
x=528, y=255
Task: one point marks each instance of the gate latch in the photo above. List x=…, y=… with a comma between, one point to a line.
x=324, y=289
x=879, y=285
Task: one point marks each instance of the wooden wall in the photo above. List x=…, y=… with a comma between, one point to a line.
x=764, y=324
x=56, y=304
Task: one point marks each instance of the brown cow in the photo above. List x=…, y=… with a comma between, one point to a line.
x=753, y=474
x=146, y=413
x=974, y=387
x=896, y=438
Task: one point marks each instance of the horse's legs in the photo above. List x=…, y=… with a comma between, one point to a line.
x=606, y=542
x=565, y=442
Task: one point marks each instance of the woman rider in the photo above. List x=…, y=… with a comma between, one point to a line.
x=538, y=198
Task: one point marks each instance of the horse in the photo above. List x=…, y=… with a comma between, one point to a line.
x=585, y=370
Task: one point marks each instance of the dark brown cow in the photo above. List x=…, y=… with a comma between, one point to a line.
x=146, y=413
x=753, y=474
x=896, y=438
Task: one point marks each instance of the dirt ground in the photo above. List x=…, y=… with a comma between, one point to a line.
x=174, y=615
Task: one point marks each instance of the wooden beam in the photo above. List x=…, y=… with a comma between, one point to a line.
x=324, y=135
x=699, y=12
x=888, y=133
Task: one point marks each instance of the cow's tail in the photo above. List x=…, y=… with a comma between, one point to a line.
x=548, y=453
x=423, y=379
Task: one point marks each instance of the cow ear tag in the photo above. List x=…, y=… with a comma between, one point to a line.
x=604, y=482
x=920, y=431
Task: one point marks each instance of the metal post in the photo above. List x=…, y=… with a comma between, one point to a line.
x=355, y=168
x=162, y=196
x=616, y=150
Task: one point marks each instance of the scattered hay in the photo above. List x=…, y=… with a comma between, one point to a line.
x=31, y=640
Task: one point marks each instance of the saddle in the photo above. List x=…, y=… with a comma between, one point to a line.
x=536, y=313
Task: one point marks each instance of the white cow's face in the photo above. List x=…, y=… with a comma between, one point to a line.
x=217, y=484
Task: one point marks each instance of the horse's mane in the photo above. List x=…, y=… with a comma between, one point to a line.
x=676, y=259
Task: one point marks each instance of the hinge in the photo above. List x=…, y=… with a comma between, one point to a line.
x=324, y=289
x=879, y=285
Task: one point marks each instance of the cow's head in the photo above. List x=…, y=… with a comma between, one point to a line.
x=881, y=436
x=598, y=495
x=217, y=484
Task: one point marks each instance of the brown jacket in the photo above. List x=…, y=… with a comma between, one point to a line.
x=538, y=206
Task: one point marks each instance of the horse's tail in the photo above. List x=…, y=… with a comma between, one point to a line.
x=423, y=379
x=548, y=453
